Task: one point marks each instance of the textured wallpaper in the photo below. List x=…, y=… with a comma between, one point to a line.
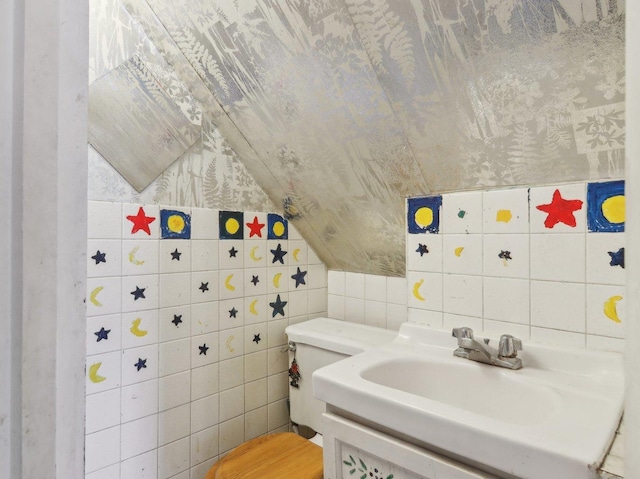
x=341, y=108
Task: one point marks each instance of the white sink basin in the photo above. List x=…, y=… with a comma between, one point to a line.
x=555, y=417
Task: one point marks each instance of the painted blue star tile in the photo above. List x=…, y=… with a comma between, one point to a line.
x=204, y=286
x=102, y=334
x=175, y=255
x=255, y=280
x=141, y=364
x=233, y=312
x=138, y=293
x=278, y=306
x=256, y=338
x=422, y=249
x=203, y=349
x=299, y=277
x=177, y=319
x=278, y=254
x=99, y=257
x=617, y=258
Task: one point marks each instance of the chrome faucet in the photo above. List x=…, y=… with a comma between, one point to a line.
x=470, y=348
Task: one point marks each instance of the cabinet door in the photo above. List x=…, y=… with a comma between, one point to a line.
x=354, y=451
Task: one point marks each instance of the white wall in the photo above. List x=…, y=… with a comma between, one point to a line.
x=632, y=411
x=44, y=85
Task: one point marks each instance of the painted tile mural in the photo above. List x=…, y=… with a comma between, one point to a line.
x=519, y=264
x=186, y=311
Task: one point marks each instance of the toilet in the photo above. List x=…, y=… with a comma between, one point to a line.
x=313, y=344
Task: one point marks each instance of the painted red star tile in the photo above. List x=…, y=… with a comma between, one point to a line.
x=560, y=211
x=255, y=228
x=141, y=221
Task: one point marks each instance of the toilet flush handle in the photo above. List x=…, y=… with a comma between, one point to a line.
x=291, y=346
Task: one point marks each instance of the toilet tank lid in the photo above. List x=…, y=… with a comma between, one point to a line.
x=339, y=336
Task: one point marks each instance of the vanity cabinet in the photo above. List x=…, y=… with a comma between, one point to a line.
x=354, y=451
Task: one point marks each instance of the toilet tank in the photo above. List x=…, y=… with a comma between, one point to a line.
x=320, y=342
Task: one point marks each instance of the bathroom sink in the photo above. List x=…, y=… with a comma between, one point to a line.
x=555, y=417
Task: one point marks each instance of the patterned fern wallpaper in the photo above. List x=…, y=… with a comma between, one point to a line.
x=341, y=108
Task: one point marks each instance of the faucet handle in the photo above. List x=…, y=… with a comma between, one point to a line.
x=509, y=346
x=463, y=332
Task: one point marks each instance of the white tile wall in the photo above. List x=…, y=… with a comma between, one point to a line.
x=497, y=267
x=173, y=379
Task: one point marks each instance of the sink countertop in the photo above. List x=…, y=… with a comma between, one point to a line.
x=516, y=420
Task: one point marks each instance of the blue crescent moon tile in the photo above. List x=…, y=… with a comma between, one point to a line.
x=606, y=207
x=277, y=227
x=231, y=225
x=423, y=214
x=175, y=224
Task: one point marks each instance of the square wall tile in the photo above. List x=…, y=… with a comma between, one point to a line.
x=462, y=213
x=606, y=206
x=175, y=256
x=396, y=315
x=354, y=285
x=204, y=318
x=462, y=254
x=231, y=254
x=256, y=336
x=254, y=367
x=231, y=403
x=204, y=255
x=605, y=258
x=102, y=449
x=140, y=257
x=230, y=313
x=204, y=224
x=296, y=305
x=174, y=323
x=104, y=296
x=277, y=414
x=102, y=410
x=506, y=299
x=255, y=281
x=231, y=343
x=174, y=458
x=140, y=292
x=256, y=253
x=174, y=390
x=317, y=301
x=258, y=308
x=278, y=253
x=424, y=253
x=139, y=436
x=375, y=314
x=336, y=282
x=298, y=277
x=204, y=381
x=231, y=283
x=204, y=413
x=506, y=211
x=139, y=328
x=140, y=221
x=175, y=223
x=103, y=334
x=255, y=394
x=425, y=290
x=204, y=349
x=558, y=257
x=139, y=400
x=299, y=252
x=397, y=290
x=462, y=294
x=204, y=445
x=317, y=276
x=606, y=310
x=175, y=356
x=204, y=286
x=104, y=258
x=256, y=423
x=139, y=364
x=104, y=220
x=231, y=434
x=255, y=225
x=558, y=209
x=506, y=255
x=174, y=424
x=354, y=310
x=423, y=214
x=277, y=280
x=103, y=372
x=336, y=306
x=558, y=306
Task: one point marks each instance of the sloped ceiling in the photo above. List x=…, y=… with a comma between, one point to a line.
x=342, y=108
